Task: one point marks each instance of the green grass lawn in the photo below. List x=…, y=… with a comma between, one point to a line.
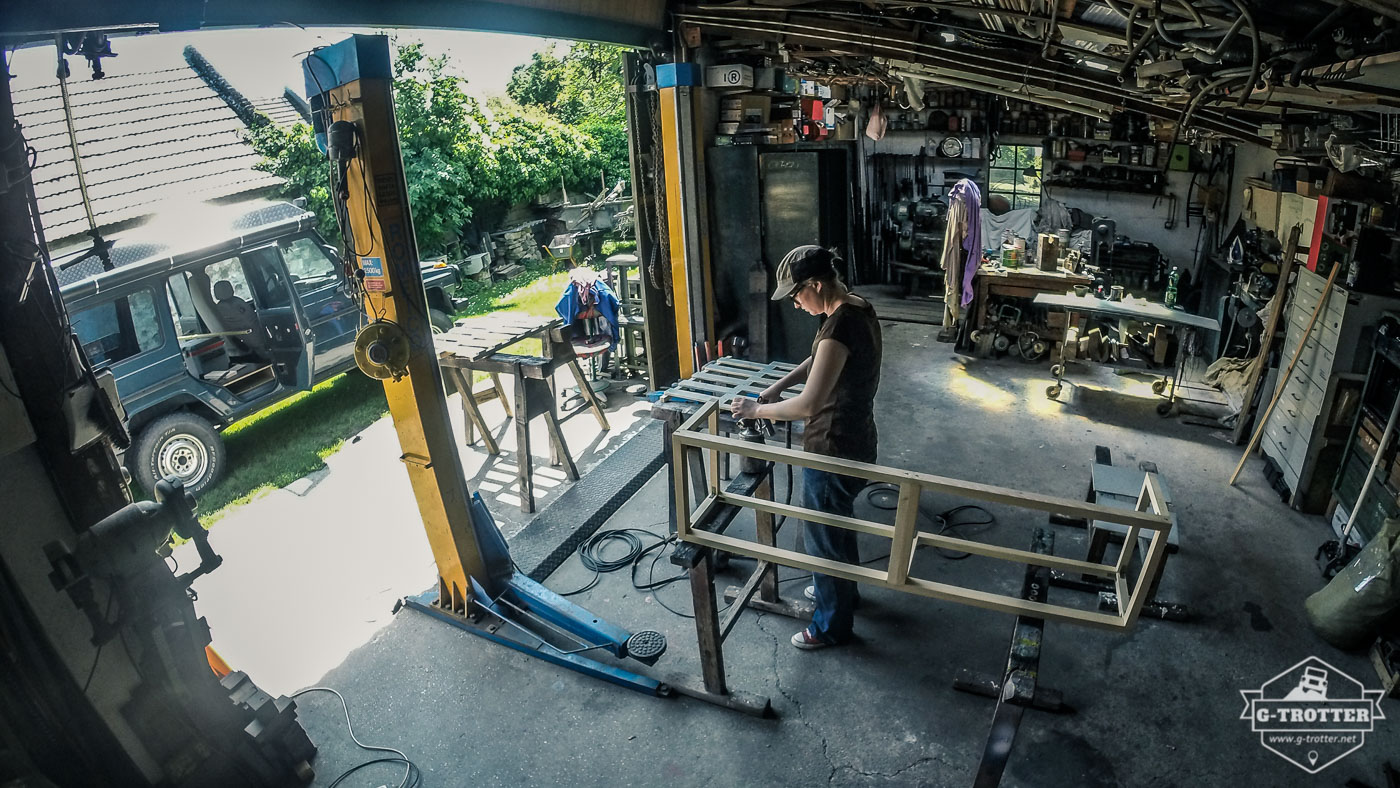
x=277, y=446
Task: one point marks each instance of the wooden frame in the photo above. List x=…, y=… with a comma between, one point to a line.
x=700, y=434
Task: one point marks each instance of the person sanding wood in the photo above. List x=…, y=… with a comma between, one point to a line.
x=837, y=403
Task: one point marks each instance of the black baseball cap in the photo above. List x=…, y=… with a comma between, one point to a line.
x=801, y=265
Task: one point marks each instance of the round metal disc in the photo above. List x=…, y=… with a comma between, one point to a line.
x=390, y=350
x=646, y=644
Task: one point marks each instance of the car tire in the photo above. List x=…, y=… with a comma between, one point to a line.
x=180, y=444
x=441, y=320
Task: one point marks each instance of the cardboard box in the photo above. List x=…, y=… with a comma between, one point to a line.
x=733, y=76
x=756, y=109
x=1309, y=188
x=1261, y=204
x=1297, y=209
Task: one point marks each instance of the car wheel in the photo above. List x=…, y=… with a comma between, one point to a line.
x=441, y=320
x=182, y=445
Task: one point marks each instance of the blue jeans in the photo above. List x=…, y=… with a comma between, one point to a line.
x=836, y=599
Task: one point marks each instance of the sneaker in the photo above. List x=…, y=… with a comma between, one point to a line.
x=806, y=641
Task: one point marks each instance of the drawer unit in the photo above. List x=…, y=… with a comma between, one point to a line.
x=1336, y=351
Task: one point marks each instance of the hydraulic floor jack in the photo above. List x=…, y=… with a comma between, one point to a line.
x=350, y=92
x=524, y=615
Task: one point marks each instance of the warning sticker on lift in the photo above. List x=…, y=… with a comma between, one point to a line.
x=373, y=270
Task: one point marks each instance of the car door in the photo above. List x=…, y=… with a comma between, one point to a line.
x=318, y=281
x=289, y=336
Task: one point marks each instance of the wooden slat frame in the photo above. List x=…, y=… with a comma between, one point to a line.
x=1149, y=516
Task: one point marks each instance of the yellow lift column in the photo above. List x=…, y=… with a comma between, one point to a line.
x=686, y=217
x=352, y=100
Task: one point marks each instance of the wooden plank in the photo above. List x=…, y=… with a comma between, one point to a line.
x=983, y=599
x=1120, y=586
x=926, y=539
x=524, y=464
x=741, y=600
x=984, y=492
x=766, y=532
x=711, y=642
x=810, y=515
x=905, y=522
x=1151, y=566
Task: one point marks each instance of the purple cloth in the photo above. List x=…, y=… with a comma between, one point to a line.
x=968, y=192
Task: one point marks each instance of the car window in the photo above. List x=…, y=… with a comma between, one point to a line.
x=267, y=277
x=308, y=264
x=232, y=272
x=118, y=329
x=182, y=306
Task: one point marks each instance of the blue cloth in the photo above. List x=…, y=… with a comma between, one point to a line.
x=967, y=191
x=836, y=599
x=602, y=297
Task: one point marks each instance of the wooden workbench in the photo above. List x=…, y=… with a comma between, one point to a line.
x=1019, y=283
x=477, y=344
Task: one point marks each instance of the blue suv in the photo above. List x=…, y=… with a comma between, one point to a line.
x=201, y=334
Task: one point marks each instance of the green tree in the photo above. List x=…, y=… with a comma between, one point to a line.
x=537, y=82
x=584, y=89
x=461, y=160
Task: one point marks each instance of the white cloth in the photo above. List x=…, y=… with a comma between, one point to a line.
x=1021, y=223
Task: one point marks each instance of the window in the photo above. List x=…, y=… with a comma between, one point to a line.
x=308, y=263
x=119, y=329
x=232, y=272
x=182, y=305
x=267, y=277
x=1015, y=174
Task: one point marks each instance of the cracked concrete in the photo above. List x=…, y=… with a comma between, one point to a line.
x=1158, y=707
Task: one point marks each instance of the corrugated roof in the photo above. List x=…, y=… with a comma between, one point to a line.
x=145, y=138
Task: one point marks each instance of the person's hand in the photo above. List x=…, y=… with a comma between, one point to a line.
x=744, y=408
x=771, y=394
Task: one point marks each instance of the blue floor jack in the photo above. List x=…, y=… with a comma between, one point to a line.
x=511, y=609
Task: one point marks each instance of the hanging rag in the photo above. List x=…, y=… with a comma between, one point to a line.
x=875, y=128
x=962, y=247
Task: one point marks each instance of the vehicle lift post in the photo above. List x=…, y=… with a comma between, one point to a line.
x=350, y=89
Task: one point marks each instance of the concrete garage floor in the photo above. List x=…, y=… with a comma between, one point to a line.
x=1159, y=705
x=312, y=571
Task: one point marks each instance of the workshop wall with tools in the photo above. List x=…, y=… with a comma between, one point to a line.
x=796, y=155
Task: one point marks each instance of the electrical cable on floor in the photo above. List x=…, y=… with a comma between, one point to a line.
x=592, y=554
x=412, y=775
x=944, y=520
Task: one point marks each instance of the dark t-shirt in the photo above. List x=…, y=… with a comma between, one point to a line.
x=844, y=426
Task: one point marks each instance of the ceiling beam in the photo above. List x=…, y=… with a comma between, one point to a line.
x=1036, y=79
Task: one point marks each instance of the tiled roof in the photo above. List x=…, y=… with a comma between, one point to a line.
x=281, y=110
x=145, y=138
